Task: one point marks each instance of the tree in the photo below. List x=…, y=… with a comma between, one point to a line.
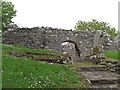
x=0, y=16
x=8, y=13
x=94, y=26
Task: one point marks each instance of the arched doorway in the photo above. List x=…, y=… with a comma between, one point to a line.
x=71, y=48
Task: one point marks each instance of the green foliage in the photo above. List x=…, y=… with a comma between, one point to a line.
x=112, y=54
x=95, y=25
x=8, y=13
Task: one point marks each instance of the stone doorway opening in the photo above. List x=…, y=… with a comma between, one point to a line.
x=71, y=48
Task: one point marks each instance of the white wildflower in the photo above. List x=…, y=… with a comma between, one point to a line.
x=39, y=81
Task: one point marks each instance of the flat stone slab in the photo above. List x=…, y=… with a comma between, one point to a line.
x=101, y=77
x=93, y=68
x=106, y=86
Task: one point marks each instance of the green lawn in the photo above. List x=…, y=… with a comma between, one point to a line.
x=26, y=73
x=112, y=54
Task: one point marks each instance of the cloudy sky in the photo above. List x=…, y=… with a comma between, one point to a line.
x=64, y=13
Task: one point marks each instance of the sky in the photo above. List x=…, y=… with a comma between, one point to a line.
x=64, y=13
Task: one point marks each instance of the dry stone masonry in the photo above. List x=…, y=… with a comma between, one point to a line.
x=52, y=38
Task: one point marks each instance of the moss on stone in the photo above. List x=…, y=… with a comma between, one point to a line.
x=95, y=51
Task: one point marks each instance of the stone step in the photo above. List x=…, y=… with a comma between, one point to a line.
x=93, y=68
x=104, y=81
x=106, y=86
x=115, y=62
x=112, y=61
x=111, y=65
x=101, y=77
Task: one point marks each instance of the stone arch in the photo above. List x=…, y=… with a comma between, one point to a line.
x=72, y=50
x=76, y=48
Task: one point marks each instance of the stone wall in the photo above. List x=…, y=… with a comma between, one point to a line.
x=52, y=38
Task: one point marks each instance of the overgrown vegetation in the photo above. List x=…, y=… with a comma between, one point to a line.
x=26, y=73
x=112, y=54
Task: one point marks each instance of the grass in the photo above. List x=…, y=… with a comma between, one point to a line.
x=36, y=54
x=8, y=48
x=112, y=54
x=26, y=73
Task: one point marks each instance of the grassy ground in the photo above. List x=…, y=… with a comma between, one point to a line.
x=34, y=54
x=8, y=48
x=26, y=73
x=112, y=54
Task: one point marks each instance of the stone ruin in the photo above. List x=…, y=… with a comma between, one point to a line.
x=87, y=45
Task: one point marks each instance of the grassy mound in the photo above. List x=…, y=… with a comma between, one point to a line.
x=36, y=54
x=25, y=73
